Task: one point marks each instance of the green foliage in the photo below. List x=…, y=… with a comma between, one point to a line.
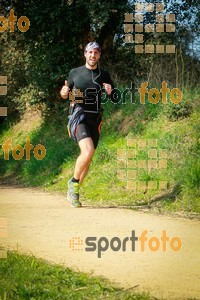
x=188, y=171
x=102, y=187
x=29, y=95
x=54, y=137
x=191, y=173
x=42, y=57
x=181, y=110
x=188, y=104
x=25, y=277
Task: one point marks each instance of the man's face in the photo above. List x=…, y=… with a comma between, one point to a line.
x=92, y=57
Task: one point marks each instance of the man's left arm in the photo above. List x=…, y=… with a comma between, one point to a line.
x=108, y=84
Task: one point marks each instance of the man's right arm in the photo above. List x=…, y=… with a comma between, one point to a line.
x=65, y=90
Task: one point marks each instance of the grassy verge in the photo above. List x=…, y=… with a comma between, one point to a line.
x=25, y=277
x=176, y=129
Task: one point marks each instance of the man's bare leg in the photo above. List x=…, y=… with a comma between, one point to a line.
x=84, y=160
x=81, y=168
x=84, y=173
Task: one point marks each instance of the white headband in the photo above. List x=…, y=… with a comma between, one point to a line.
x=92, y=45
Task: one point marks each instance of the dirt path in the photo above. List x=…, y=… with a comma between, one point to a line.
x=44, y=223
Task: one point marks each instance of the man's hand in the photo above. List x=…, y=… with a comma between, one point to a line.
x=108, y=88
x=65, y=90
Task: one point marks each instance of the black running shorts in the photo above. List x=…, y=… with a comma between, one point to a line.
x=89, y=127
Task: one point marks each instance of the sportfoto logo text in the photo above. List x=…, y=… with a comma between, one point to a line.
x=22, y=23
x=18, y=152
x=153, y=95
x=132, y=243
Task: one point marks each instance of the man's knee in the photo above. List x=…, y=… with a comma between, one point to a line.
x=88, y=153
x=87, y=149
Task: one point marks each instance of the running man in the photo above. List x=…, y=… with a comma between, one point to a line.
x=89, y=79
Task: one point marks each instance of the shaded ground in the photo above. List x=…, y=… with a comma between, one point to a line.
x=44, y=224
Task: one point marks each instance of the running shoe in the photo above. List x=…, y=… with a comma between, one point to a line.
x=73, y=194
